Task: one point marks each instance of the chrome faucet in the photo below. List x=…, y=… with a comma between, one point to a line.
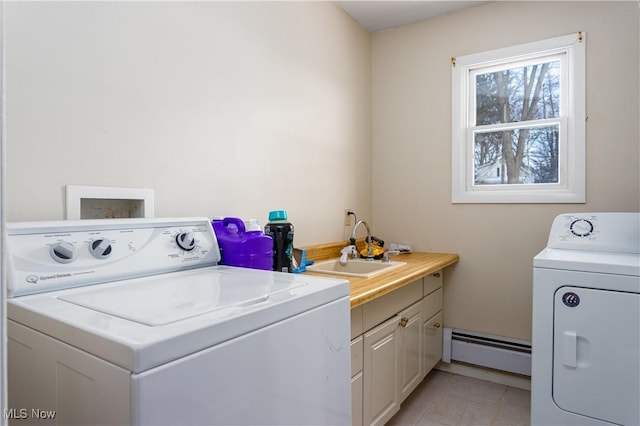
x=369, y=245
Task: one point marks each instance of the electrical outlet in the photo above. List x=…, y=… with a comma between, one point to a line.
x=347, y=218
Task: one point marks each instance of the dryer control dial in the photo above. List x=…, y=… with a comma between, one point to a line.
x=186, y=241
x=100, y=248
x=581, y=227
x=63, y=252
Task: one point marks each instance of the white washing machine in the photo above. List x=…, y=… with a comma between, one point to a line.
x=120, y=322
x=586, y=322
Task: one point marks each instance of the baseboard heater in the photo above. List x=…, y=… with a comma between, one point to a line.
x=484, y=350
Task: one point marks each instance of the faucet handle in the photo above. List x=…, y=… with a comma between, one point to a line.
x=354, y=252
x=345, y=252
x=387, y=254
x=348, y=249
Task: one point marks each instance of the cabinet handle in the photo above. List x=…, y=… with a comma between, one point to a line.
x=436, y=325
x=404, y=321
x=437, y=275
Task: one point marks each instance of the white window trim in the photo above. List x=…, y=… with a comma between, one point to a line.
x=571, y=188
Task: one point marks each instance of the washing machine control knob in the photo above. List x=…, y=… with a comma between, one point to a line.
x=63, y=252
x=100, y=248
x=186, y=241
x=581, y=227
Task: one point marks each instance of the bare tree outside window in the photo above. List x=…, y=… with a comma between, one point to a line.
x=528, y=152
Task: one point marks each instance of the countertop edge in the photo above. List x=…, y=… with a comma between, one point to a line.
x=419, y=265
x=394, y=284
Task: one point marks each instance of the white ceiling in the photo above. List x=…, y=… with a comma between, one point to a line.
x=383, y=15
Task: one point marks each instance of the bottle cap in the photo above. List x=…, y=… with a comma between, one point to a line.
x=277, y=215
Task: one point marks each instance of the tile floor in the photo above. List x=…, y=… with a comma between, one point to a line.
x=450, y=399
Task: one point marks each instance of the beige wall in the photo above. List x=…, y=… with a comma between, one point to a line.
x=222, y=108
x=490, y=289
x=239, y=108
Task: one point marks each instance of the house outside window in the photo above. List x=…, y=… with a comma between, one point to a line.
x=518, y=123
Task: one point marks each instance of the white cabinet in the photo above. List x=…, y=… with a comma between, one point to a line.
x=357, y=379
x=432, y=326
x=410, y=348
x=381, y=396
x=357, y=387
x=431, y=283
x=401, y=342
x=432, y=332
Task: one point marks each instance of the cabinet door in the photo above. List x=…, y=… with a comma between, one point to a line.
x=410, y=349
x=356, y=399
x=432, y=331
x=357, y=375
x=381, y=396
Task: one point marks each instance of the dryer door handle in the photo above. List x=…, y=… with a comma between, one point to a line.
x=570, y=349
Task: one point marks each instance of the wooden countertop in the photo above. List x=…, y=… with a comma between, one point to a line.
x=418, y=265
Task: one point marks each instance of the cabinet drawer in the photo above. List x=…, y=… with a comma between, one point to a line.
x=383, y=308
x=433, y=303
x=356, y=322
x=357, y=348
x=432, y=282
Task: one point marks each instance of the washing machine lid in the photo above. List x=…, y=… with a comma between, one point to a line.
x=174, y=298
x=145, y=322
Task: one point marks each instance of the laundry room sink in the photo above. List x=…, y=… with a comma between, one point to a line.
x=354, y=268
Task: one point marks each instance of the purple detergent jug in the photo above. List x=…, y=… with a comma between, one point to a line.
x=239, y=247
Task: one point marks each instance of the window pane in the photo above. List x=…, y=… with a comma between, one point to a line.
x=518, y=94
x=518, y=156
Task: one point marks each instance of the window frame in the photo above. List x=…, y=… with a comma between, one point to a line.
x=571, y=166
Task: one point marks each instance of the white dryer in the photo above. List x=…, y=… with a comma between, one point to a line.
x=120, y=322
x=586, y=322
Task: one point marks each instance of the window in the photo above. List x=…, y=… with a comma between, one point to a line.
x=518, y=124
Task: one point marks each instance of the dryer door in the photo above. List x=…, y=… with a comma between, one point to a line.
x=596, y=367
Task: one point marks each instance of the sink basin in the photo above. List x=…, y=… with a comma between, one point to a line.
x=353, y=268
